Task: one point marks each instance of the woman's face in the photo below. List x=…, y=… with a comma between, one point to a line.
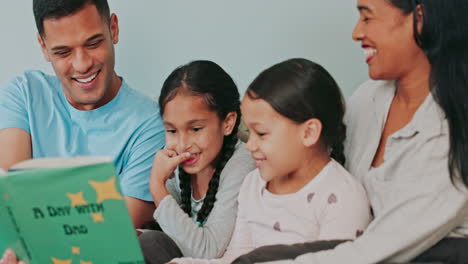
x=386, y=35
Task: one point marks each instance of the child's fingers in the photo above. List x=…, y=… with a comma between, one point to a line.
x=174, y=157
x=170, y=153
x=172, y=175
x=182, y=157
x=166, y=161
x=177, y=159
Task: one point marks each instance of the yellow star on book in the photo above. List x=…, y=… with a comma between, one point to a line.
x=85, y=262
x=97, y=217
x=76, y=250
x=58, y=261
x=106, y=190
x=77, y=199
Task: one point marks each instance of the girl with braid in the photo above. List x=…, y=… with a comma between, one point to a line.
x=196, y=210
x=299, y=192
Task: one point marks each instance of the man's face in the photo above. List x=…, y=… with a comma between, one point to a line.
x=80, y=47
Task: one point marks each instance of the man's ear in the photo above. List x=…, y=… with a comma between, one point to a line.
x=114, y=28
x=229, y=123
x=43, y=47
x=311, y=131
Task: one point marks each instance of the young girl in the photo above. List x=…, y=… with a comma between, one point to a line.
x=299, y=192
x=196, y=211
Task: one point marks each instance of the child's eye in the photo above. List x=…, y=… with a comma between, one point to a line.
x=172, y=131
x=196, y=129
x=365, y=19
x=260, y=134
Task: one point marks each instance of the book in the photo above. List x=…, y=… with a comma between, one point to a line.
x=66, y=211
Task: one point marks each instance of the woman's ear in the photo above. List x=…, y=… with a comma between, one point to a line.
x=419, y=18
x=229, y=123
x=311, y=131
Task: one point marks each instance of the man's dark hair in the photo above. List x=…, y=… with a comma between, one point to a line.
x=44, y=9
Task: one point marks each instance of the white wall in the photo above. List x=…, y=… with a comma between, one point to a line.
x=243, y=36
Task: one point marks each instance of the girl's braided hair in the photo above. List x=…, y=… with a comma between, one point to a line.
x=209, y=81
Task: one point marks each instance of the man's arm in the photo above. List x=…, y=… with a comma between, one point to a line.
x=9, y=257
x=140, y=211
x=15, y=146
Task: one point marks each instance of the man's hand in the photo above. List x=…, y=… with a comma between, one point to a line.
x=9, y=257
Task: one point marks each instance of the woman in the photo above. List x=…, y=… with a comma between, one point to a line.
x=407, y=137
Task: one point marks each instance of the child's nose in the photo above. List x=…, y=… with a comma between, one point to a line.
x=251, y=145
x=184, y=144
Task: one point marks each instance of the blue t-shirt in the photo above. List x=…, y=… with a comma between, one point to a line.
x=128, y=128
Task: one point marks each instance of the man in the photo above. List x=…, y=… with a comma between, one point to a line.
x=87, y=109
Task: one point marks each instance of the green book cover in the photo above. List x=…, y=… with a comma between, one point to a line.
x=71, y=215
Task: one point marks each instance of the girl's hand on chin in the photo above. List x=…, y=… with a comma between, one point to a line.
x=164, y=164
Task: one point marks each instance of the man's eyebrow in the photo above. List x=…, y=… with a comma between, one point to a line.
x=99, y=35
x=94, y=37
x=59, y=48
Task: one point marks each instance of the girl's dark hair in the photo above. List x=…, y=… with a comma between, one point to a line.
x=209, y=81
x=44, y=9
x=444, y=39
x=300, y=90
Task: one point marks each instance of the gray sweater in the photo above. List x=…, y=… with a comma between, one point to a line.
x=210, y=240
x=415, y=204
